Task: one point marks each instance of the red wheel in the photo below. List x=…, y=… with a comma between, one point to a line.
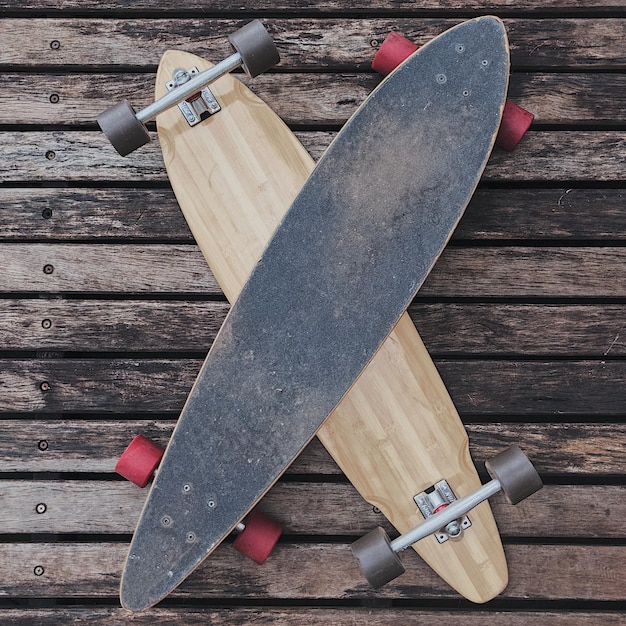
x=258, y=538
x=139, y=461
x=393, y=51
x=515, y=122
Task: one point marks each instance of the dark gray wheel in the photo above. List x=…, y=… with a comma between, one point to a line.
x=122, y=128
x=256, y=48
x=518, y=477
x=378, y=562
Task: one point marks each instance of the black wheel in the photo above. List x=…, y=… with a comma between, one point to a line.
x=517, y=475
x=256, y=48
x=122, y=128
x=378, y=562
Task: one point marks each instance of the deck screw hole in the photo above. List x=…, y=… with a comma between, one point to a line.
x=38, y=571
x=48, y=268
x=43, y=445
x=41, y=508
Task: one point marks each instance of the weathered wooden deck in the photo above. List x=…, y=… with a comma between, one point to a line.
x=107, y=308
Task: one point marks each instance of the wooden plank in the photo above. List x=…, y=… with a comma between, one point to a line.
x=303, y=43
x=87, y=268
x=568, y=99
x=448, y=329
x=86, y=214
x=132, y=214
x=81, y=156
x=288, y=616
x=327, y=98
x=216, y=7
x=512, y=388
x=501, y=272
x=524, y=329
x=544, y=214
x=105, y=507
x=105, y=325
x=588, y=448
x=524, y=272
x=536, y=572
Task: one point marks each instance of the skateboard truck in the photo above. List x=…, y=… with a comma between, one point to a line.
x=254, y=50
x=434, y=500
x=377, y=554
x=200, y=105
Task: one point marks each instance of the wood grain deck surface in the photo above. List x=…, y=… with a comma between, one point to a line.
x=107, y=308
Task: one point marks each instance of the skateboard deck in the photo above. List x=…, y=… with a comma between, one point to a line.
x=234, y=182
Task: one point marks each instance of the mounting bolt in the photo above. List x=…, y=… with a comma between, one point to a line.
x=453, y=529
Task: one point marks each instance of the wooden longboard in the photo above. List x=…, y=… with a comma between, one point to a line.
x=396, y=432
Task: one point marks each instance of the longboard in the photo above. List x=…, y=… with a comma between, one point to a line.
x=396, y=432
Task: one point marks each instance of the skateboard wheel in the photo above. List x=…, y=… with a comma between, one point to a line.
x=515, y=122
x=122, y=128
x=393, y=51
x=139, y=460
x=517, y=475
x=259, y=537
x=377, y=560
x=256, y=47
